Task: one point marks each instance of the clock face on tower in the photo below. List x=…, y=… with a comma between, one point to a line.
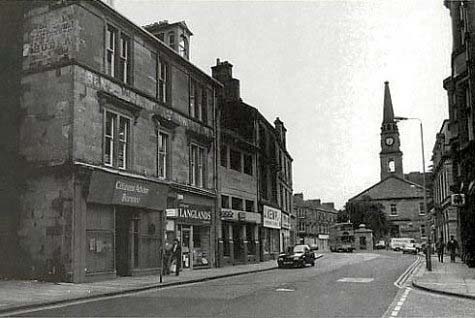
x=389, y=141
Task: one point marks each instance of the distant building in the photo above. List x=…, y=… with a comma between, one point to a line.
x=314, y=220
x=447, y=220
x=401, y=195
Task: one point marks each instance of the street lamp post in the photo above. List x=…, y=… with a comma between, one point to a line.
x=428, y=247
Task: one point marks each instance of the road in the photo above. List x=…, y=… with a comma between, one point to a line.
x=340, y=285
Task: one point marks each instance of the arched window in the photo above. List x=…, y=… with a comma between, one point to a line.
x=183, y=46
x=391, y=166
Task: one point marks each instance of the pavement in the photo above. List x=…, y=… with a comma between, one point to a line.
x=454, y=279
x=18, y=295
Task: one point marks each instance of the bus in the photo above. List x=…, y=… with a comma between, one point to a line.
x=342, y=237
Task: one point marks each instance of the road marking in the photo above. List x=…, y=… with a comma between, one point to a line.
x=355, y=280
x=284, y=290
x=407, y=273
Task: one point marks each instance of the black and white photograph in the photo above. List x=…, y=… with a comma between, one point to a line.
x=237, y=159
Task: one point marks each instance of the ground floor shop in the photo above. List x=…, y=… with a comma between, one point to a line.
x=270, y=235
x=239, y=237
x=190, y=221
x=285, y=238
x=123, y=226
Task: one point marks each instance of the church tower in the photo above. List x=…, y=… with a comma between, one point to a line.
x=390, y=155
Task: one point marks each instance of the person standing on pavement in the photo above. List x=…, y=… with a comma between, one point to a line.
x=452, y=246
x=176, y=255
x=440, y=250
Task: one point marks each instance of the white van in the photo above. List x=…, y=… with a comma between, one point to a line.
x=398, y=243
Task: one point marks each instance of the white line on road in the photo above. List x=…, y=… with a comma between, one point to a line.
x=355, y=280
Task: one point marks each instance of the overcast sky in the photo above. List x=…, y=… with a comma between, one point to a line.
x=320, y=67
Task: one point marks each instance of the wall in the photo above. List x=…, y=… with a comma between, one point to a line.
x=11, y=14
x=46, y=120
x=45, y=227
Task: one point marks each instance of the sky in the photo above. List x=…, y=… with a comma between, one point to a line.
x=320, y=67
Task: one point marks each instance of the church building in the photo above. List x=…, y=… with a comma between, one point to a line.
x=401, y=194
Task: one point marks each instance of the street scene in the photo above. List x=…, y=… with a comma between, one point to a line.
x=237, y=159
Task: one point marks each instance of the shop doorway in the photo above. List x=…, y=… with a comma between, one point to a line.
x=186, y=246
x=238, y=244
x=122, y=242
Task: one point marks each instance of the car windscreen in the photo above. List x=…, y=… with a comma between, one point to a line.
x=299, y=249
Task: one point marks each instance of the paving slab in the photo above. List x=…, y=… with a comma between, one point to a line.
x=455, y=279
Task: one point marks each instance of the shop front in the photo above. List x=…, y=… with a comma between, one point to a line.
x=270, y=233
x=123, y=226
x=323, y=242
x=191, y=225
x=239, y=235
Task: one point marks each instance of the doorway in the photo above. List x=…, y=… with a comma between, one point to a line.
x=238, y=244
x=122, y=242
x=186, y=248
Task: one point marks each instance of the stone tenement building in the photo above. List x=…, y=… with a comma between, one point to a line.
x=105, y=127
x=446, y=218
x=255, y=177
x=403, y=199
x=459, y=86
x=314, y=220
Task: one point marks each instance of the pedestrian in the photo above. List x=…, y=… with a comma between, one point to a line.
x=167, y=258
x=440, y=250
x=452, y=246
x=176, y=255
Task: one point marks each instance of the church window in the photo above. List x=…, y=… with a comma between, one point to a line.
x=393, y=209
x=391, y=166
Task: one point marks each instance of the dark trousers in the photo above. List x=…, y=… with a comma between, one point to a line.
x=452, y=257
x=178, y=265
x=441, y=256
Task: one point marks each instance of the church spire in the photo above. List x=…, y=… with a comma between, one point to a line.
x=388, y=112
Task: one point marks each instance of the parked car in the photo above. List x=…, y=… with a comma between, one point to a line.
x=380, y=245
x=409, y=248
x=298, y=256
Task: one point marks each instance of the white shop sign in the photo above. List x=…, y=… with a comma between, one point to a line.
x=271, y=217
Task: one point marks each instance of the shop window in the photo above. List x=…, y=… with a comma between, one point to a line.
x=249, y=205
x=393, y=209
x=201, y=243
x=197, y=166
x=224, y=202
x=235, y=160
x=236, y=204
x=224, y=156
x=117, y=60
x=100, y=238
x=248, y=164
x=116, y=139
x=162, y=155
x=163, y=82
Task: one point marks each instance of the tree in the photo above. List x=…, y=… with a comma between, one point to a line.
x=368, y=212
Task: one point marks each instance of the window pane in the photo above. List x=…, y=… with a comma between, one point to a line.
x=248, y=164
x=224, y=156
x=192, y=99
x=162, y=154
x=123, y=140
x=225, y=202
x=193, y=154
x=235, y=158
x=236, y=204
x=109, y=138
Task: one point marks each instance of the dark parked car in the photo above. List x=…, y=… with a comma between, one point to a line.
x=299, y=256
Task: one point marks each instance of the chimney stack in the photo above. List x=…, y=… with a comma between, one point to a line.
x=223, y=72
